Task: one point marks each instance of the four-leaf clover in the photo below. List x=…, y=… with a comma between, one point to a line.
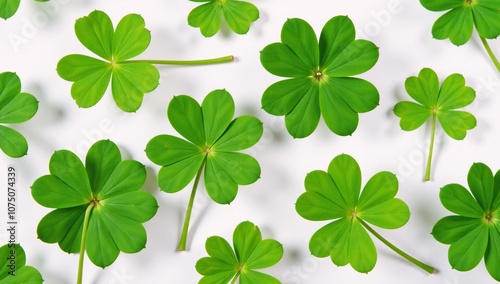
x=98, y=206
x=13, y=268
x=335, y=195
x=15, y=107
x=208, y=17
x=250, y=252
x=437, y=103
x=214, y=138
x=475, y=231
x=320, y=81
x=91, y=76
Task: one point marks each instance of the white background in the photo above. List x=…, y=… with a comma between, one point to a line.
x=33, y=41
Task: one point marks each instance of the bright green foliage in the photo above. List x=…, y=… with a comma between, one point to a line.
x=19, y=273
x=438, y=102
x=91, y=76
x=335, y=195
x=208, y=17
x=213, y=139
x=474, y=231
x=458, y=23
x=105, y=186
x=250, y=253
x=8, y=8
x=320, y=81
x=463, y=15
x=15, y=107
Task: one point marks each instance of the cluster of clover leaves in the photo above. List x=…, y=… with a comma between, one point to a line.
x=99, y=206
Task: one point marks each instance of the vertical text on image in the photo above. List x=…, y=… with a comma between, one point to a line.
x=11, y=219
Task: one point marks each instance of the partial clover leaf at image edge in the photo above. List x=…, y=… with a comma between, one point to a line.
x=474, y=232
x=13, y=268
x=15, y=107
x=251, y=252
x=463, y=16
x=209, y=16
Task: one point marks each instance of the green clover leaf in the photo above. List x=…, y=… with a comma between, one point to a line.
x=463, y=15
x=8, y=8
x=214, y=138
x=208, y=16
x=320, y=81
x=98, y=206
x=474, y=231
x=458, y=23
x=13, y=269
x=335, y=195
x=15, y=107
x=250, y=252
x=439, y=103
x=130, y=79
x=91, y=76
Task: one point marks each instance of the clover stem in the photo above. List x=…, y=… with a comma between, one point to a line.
x=431, y=147
x=490, y=53
x=185, y=227
x=427, y=268
x=82, y=245
x=185, y=62
x=235, y=277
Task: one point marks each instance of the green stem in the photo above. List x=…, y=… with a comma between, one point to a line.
x=235, y=277
x=431, y=148
x=82, y=245
x=490, y=53
x=185, y=62
x=427, y=268
x=185, y=227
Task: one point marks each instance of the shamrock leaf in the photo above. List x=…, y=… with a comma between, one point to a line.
x=437, y=103
x=91, y=76
x=99, y=207
x=15, y=107
x=319, y=75
x=250, y=253
x=130, y=79
x=13, y=267
x=475, y=231
x=458, y=23
x=335, y=195
x=208, y=16
x=214, y=138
